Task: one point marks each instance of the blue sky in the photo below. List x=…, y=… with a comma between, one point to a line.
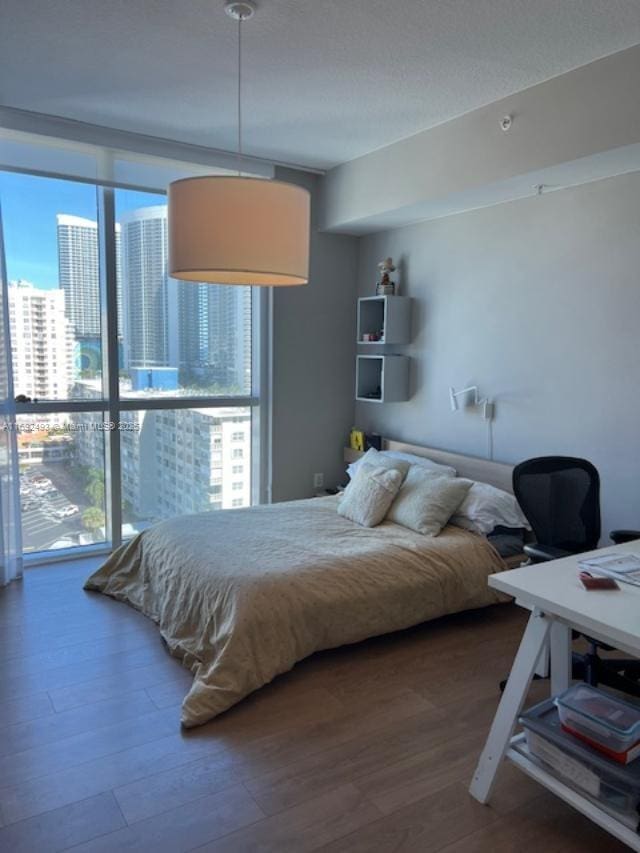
x=29, y=208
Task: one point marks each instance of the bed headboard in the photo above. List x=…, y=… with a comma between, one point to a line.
x=485, y=470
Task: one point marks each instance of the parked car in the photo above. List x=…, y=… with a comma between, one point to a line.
x=39, y=480
x=41, y=491
x=66, y=511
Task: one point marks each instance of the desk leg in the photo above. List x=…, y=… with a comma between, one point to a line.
x=560, y=643
x=542, y=666
x=515, y=692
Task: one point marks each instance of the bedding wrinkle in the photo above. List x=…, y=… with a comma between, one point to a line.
x=241, y=596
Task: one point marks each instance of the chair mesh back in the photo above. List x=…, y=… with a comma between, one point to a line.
x=560, y=496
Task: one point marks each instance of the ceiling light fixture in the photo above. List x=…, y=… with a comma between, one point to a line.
x=238, y=229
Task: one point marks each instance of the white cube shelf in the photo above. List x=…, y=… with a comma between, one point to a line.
x=382, y=378
x=387, y=316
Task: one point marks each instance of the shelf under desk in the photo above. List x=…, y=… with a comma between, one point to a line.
x=558, y=604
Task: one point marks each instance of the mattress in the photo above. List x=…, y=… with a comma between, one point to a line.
x=240, y=596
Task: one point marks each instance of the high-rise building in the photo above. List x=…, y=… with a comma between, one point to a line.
x=180, y=461
x=215, y=336
x=42, y=342
x=173, y=461
x=150, y=297
x=202, y=329
x=78, y=274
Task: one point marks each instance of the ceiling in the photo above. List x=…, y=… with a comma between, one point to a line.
x=325, y=80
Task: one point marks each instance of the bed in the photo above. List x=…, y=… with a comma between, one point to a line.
x=241, y=596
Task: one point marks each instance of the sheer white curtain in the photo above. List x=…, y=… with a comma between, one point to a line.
x=10, y=532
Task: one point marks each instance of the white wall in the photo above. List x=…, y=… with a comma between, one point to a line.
x=465, y=163
x=538, y=302
x=313, y=363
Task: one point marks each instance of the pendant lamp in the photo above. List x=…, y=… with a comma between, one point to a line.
x=235, y=229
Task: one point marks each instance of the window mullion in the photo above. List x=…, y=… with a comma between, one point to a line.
x=262, y=308
x=39, y=407
x=110, y=365
x=134, y=404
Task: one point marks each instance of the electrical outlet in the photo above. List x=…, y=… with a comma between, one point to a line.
x=318, y=481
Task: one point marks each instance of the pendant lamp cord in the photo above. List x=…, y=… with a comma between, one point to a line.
x=240, y=19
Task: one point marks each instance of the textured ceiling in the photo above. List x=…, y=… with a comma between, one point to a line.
x=326, y=80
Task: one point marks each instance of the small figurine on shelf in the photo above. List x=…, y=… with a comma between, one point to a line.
x=385, y=287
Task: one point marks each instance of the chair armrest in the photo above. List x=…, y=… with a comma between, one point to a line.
x=543, y=553
x=620, y=536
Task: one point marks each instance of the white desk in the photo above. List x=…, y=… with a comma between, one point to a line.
x=558, y=604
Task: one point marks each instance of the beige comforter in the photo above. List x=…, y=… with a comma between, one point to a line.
x=240, y=596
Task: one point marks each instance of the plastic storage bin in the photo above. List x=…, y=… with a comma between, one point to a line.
x=605, y=722
x=613, y=786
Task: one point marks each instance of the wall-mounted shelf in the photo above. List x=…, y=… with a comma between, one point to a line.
x=387, y=316
x=382, y=378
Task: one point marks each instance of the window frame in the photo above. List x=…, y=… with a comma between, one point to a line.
x=113, y=405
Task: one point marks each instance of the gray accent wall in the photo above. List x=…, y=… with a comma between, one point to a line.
x=313, y=362
x=538, y=302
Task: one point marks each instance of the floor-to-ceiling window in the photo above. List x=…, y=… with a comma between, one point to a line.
x=137, y=395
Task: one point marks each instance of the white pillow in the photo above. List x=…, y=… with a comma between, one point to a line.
x=426, y=503
x=370, y=494
x=486, y=507
x=380, y=459
x=421, y=461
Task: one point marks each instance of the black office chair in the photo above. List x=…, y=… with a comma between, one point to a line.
x=560, y=496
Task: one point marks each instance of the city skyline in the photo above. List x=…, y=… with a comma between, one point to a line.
x=30, y=205
x=203, y=333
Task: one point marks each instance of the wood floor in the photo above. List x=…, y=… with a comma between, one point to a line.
x=368, y=748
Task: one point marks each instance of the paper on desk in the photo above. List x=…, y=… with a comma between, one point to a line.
x=622, y=567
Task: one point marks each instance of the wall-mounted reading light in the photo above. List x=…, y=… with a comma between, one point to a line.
x=487, y=405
